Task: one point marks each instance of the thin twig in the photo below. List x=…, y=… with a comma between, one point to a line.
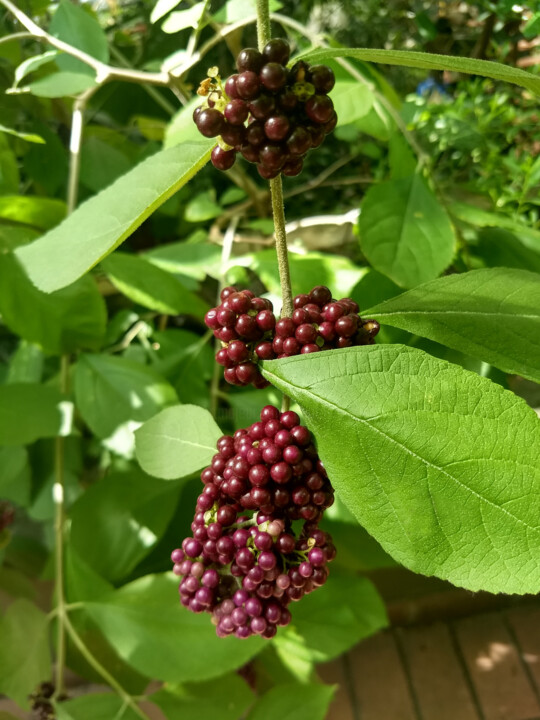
x=16, y=36
x=104, y=72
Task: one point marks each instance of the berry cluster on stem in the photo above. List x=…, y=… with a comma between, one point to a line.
x=249, y=331
x=272, y=115
x=246, y=560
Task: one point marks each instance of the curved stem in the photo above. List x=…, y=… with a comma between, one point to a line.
x=98, y=667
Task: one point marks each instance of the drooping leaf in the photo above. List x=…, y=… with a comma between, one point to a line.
x=182, y=19
x=29, y=137
x=177, y=442
x=70, y=319
x=156, y=635
x=192, y=259
x=132, y=512
x=226, y=698
x=492, y=314
x=404, y=232
x=33, y=63
x=62, y=84
x=64, y=254
x=307, y=701
x=24, y=651
x=431, y=61
x=438, y=464
x=26, y=364
x=149, y=285
x=111, y=391
x=29, y=412
x=331, y=620
x=502, y=248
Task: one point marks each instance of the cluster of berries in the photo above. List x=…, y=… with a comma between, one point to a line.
x=244, y=563
x=249, y=332
x=270, y=114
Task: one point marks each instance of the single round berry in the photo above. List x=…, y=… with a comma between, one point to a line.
x=299, y=141
x=277, y=127
x=262, y=106
x=223, y=159
x=247, y=85
x=236, y=112
x=249, y=59
x=210, y=122
x=230, y=87
x=277, y=50
x=322, y=78
x=273, y=76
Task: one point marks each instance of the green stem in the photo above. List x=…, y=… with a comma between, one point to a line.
x=59, y=468
x=98, y=667
x=276, y=192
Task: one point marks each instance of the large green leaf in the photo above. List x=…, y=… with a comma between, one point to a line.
x=438, y=464
x=195, y=260
x=226, y=698
x=100, y=224
x=352, y=100
x=334, y=618
x=14, y=474
x=431, y=61
x=501, y=248
x=404, y=232
x=177, y=442
x=29, y=412
x=24, y=651
x=294, y=702
x=491, y=314
x=148, y=285
x=111, y=391
x=132, y=512
x=70, y=319
x=149, y=628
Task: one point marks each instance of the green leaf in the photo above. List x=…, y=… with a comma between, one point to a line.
x=94, y=706
x=181, y=128
x=24, y=651
x=11, y=236
x=15, y=475
x=202, y=207
x=61, y=84
x=307, y=270
x=132, y=512
x=404, y=231
x=161, y=8
x=438, y=464
x=431, y=61
x=29, y=137
x=501, y=248
x=482, y=218
x=62, y=322
x=107, y=219
x=195, y=260
x=226, y=698
x=79, y=28
x=177, y=442
x=26, y=364
x=352, y=100
x=402, y=160
x=491, y=314
x=148, y=285
x=153, y=633
x=29, y=412
x=41, y=213
x=182, y=19
x=9, y=169
x=331, y=620
x=101, y=162
x=111, y=391
x=33, y=63
x=294, y=702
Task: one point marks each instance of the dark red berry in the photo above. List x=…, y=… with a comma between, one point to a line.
x=273, y=76
x=249, y=59
x=210, y=122
x=277, y=50
x=236, y=112
x=248, y=85
x=276, y=127
x=223, y=159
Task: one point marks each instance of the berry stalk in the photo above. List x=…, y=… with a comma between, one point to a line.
x=276, y=193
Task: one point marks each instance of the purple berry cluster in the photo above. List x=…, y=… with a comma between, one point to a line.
x=245, y=563
x=249, y=332
x=272, y=115
x=319, y=322
x=245, y=325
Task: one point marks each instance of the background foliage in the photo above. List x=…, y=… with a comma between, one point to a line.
x=107, y=379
